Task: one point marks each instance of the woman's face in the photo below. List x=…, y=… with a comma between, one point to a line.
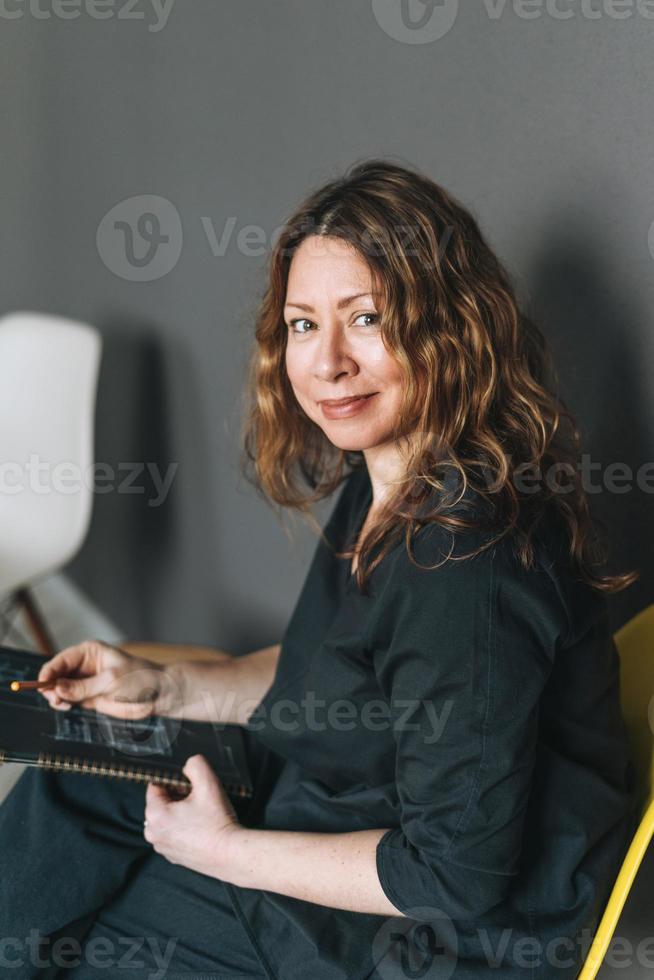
x=335, y=348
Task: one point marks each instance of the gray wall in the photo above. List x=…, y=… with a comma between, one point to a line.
x=233, y=110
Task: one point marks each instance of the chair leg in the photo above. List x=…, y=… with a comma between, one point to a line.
x=36, y=622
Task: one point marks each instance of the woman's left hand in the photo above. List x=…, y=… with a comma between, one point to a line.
x=195, y=831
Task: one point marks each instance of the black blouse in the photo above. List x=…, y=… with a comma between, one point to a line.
x=473, y=710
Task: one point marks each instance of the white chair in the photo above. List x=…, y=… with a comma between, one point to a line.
x=48, y=382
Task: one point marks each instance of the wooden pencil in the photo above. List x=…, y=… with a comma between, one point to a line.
x=31, y=685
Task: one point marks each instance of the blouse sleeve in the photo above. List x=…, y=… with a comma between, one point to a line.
x=462, y=654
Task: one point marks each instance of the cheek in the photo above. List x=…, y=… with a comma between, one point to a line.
x=388, y=370
x=298, y=380
x=375, y=358
x=294, y=369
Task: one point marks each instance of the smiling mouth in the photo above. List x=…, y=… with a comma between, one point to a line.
x=335, y=403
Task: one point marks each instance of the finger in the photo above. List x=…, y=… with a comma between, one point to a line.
x=202, y=777
x=156, y=798
x=204, y=781
x=65, y=662
x=81, y=688
x=50, y=696
x=197, y=769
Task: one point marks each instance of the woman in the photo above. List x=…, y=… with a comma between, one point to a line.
x=444, y=786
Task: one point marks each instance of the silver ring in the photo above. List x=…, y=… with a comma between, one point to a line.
x=145, y=823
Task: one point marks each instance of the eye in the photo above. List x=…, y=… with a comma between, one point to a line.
x=292, y=325
x=373, y=316
x=294, y=328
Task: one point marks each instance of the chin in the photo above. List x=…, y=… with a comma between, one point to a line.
x=351, y=443
x=348, y=445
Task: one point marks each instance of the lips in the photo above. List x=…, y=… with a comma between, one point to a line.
x=335, y=402
x=345, y=408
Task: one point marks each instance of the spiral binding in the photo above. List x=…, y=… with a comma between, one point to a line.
x=159, y=776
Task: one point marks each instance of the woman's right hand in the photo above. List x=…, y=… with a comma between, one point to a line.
x=97, y=675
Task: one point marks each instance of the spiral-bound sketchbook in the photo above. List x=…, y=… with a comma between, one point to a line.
x=153, y=749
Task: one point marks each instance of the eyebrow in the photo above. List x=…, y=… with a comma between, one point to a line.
x=342, y=303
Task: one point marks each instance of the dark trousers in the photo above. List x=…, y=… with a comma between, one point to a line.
x=83, y=894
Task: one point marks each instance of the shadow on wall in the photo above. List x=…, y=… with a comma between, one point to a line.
x=137, y=523
x=594, y=327
x=152, y=558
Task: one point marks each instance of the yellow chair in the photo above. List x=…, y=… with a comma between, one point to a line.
x=635, y=643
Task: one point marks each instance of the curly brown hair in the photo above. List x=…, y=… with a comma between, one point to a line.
x=480, y=397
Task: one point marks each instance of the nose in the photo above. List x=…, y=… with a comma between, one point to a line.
x=333, y=355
